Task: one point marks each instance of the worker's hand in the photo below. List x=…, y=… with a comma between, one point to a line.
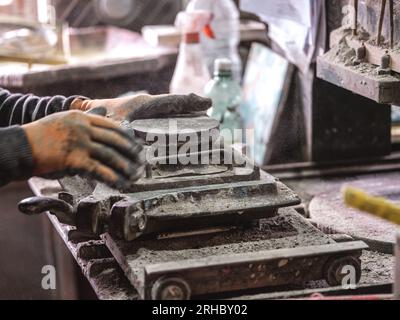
x=146, y=106
x=74, y=142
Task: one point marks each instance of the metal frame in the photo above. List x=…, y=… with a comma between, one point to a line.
x=250, y=270
x=397, y=271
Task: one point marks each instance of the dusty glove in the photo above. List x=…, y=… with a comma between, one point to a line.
x=73, y=142
x=146, y=106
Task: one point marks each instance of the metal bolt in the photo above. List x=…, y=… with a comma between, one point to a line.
x=361, y=53
x=384, y=69
x=170, y=289
x=385, y=61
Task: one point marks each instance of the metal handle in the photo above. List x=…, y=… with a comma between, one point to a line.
x=37, y=205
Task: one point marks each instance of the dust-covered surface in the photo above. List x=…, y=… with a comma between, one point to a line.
x=244, y=198
x=174, y=126
x=286, y=230
x=372, y=71
x=329, y=210
x=343, y=54
x=280, y=232
x=110, y=283
x=114, y=285
x=377, y=268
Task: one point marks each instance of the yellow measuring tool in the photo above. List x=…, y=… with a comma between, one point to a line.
x=377, y=206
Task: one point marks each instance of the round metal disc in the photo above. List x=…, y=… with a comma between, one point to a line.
x=173, y=126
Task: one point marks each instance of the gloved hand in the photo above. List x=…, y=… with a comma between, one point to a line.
x=74, y=142
x=146, y=106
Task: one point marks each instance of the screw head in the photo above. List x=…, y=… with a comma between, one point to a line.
x=170, y=289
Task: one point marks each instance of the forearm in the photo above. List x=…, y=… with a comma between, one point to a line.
x=16, y=161
x=19, y=109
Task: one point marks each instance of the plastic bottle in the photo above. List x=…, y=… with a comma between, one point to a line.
x=226, y=27
x=191, y=72
x=226, y=94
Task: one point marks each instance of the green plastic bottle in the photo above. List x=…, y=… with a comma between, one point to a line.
x=226, y=94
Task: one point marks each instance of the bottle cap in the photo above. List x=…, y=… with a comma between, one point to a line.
x=223, y=65
x=192, y=23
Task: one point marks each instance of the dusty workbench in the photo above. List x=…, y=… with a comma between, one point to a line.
x=109, y=282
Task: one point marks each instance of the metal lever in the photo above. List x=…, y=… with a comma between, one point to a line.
x=37, y=205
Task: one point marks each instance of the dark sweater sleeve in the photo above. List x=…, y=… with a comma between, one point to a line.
x=15, y=155
x=19, y=109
